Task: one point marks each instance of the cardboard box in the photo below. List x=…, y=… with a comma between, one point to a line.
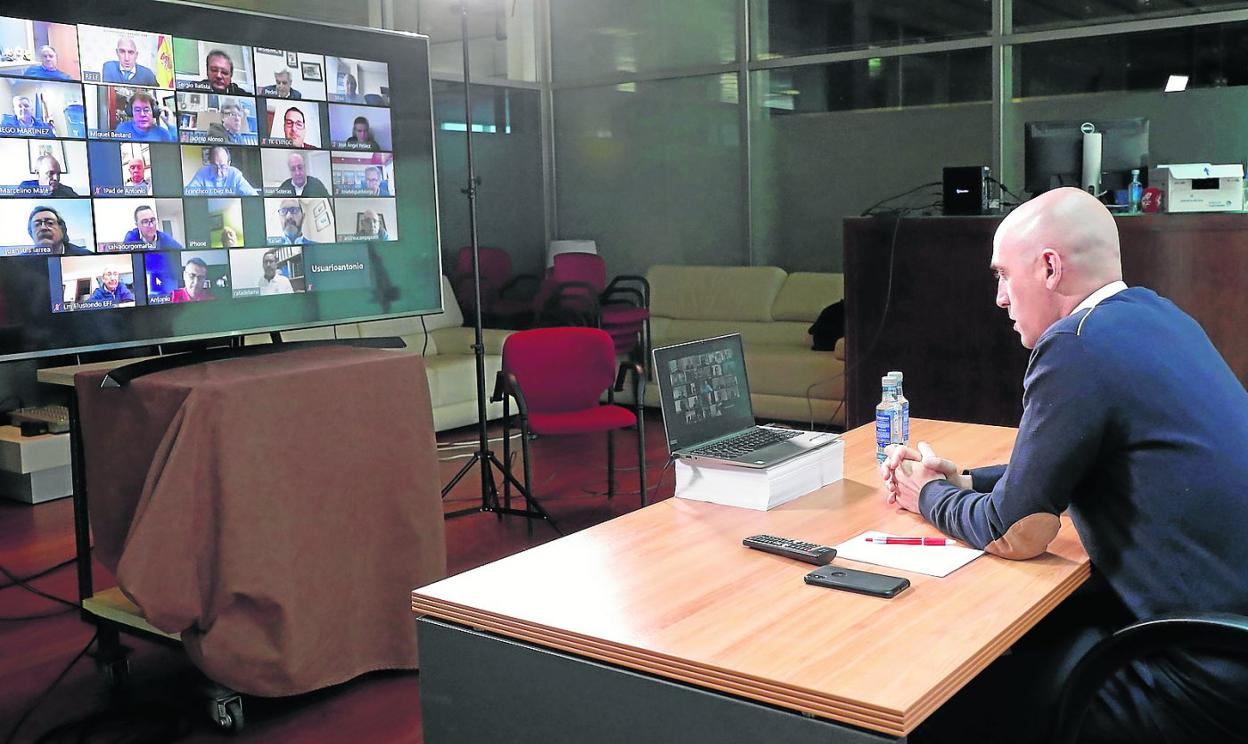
x=1200, y=187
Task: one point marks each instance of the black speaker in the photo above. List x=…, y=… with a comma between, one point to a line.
x=966, y=190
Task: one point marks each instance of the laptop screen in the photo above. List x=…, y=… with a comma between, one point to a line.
x=703, y=389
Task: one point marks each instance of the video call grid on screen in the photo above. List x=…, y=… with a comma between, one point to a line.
x=204, y=116
x=97, y=123
x=704, y=385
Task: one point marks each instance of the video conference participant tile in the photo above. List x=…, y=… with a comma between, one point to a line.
x=334, y=267
x=213, y=67
x=208, y=118
x=363, y=174
x=262, y=272
x=290, y=75
x=224, y=222
x=296, y=172
x=295, y=221
x=366, y=219
x=187, y=276
x=46, y=227
x=95, y=282
x=220, y=170
x=123, y=112
x=358, y=81
x=40, y=108
x=40, y=168
x=121, y=169
x=39, y=49
x=359, y=128
x=142, y=224
x=126, y=57
x=301, y=125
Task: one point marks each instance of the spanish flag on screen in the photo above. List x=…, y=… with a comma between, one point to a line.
x=164, y=62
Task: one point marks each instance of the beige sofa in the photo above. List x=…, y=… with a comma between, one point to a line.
x=449, y=361
x=772, y=311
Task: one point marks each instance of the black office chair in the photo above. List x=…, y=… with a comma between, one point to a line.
x=1217, y=632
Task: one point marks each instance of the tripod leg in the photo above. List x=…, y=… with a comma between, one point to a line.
x=535, y=507
x=460, y=475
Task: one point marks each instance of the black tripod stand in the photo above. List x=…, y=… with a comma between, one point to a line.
x=483, y=454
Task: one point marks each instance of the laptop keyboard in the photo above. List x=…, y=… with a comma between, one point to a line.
x=745, y=443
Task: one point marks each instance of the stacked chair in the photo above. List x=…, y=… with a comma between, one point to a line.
x=506, y=300
x=577, y=289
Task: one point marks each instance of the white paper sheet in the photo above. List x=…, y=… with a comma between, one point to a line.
x=933, y=560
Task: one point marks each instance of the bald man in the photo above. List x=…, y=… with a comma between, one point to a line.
x=126, y=68
x=1133, y=422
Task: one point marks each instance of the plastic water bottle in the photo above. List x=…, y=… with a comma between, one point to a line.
x=1135, y=191
x=905, y=407
x=887, y=419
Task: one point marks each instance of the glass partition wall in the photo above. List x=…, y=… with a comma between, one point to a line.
x=744, y=131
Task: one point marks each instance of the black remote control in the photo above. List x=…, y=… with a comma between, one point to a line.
x=819, y=555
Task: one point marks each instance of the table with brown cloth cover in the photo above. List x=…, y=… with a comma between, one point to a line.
x=274, y=510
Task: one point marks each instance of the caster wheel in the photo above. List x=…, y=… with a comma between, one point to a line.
x=234, y=709
x=228, y=714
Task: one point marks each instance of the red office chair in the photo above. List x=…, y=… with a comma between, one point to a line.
x=623, y=304
x=505, y=302
x=557, y=376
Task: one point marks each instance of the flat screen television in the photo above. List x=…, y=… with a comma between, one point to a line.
x=1053, y=152
x=170, y=171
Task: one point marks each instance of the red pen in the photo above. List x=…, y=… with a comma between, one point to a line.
x=911, y=541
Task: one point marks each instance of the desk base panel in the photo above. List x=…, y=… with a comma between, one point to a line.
x=480, y=687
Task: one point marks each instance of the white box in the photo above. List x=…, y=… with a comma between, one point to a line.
x=760, y=488
x=1200, y=187
x=34, y=469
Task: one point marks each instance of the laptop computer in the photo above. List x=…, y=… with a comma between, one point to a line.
x=705, y=399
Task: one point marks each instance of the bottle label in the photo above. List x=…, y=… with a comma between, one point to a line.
x=884, y=428
x=905, y=422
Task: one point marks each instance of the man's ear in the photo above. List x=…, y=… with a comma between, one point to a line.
x=1052, y=263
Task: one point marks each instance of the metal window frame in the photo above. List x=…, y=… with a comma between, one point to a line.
x=1001, y=39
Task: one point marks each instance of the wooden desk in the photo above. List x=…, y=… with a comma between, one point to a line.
x=669, y=591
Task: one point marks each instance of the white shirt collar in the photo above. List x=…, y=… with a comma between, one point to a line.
x=1092, y=300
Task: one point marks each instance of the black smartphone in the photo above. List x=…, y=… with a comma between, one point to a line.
x=862, y=582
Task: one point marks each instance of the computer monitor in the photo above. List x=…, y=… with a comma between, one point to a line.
x=1054, y=152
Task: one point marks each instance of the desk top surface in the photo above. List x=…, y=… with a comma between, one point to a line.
x=669, y=590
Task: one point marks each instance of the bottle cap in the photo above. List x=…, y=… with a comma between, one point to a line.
x=899, y=377
x=888, y=381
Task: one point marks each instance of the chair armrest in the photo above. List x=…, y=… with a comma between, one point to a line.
x=625, y=369
x=624, y=279
x=632, y=296
x=1210, y=631
x=505, y=383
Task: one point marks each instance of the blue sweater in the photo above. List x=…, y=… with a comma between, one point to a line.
x=1133, y=420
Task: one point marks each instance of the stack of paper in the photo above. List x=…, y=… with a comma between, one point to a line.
x=760, y=488
x=933, y=560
